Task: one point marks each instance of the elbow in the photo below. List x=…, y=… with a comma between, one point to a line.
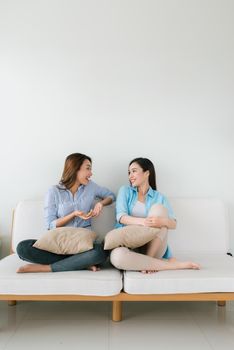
x=109, y=199
x=51, y=225
x=174, y=224
x=122, y=220
x=112, y=197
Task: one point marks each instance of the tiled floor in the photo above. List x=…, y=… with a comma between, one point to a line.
x=73, y=325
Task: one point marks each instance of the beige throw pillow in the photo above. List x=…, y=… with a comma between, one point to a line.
x=66, y=240
x=131, y=236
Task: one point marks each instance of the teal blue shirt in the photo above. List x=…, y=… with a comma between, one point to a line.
x=127, y=198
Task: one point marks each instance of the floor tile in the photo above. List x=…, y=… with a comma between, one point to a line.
x=219, y=334
x=154, y=310
x=59, y=334
x=169, y=334
x=172, y=325
x=10, y=319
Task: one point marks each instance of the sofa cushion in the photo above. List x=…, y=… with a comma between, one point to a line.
x=66, y=240
x=216, y=275
x=132, y=236
x=106, y=282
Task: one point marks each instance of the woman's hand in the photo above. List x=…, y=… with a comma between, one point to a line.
x=97, y=209
x=155, y=221
x=82, y=215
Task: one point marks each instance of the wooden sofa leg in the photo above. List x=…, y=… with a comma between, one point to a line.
x=221, y=302
x=11, y=302
x=116, y=311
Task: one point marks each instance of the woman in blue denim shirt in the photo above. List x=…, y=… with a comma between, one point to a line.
x=70, y=203
x=142, y=204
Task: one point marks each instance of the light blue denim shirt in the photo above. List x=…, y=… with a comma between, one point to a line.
x=126, y=199
x=60, y=202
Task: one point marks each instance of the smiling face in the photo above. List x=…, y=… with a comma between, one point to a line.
x=137, y=176
x=84, y=173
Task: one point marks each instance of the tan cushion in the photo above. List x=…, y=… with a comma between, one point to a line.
x=131, y=236
x=66, y=240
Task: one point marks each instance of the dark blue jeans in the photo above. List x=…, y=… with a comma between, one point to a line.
x=80, y=261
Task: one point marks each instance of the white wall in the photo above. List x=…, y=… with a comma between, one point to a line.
x=116, y=80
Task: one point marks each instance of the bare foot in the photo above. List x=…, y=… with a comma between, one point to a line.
x=177, y=265
x=187, y=265
x=94, y=268
x=34, y=268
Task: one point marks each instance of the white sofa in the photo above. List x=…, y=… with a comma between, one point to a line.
x=201, y=236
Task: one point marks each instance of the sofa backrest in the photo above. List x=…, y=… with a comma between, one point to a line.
x=202, y=224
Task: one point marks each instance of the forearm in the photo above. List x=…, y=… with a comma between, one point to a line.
x=131, y=220
x=169, y=223
x=159, y=222
x=106, y=201
x=64, y=220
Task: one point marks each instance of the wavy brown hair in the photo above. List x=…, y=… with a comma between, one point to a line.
x=72, y=164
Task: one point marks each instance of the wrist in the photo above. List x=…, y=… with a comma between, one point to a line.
x=141, y=221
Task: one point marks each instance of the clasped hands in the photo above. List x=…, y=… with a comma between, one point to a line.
x=92, y=213
x=155, y=221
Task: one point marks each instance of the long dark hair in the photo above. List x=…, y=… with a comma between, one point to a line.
x=72, y=164
x=146, y=164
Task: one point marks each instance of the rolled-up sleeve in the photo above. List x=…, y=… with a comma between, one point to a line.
x=103, y=192
x=122, y=203
x=50, y=209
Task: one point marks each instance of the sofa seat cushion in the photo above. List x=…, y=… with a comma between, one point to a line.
x=216, y=275
x=106, y=282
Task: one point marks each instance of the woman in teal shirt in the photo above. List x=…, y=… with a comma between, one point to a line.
x=141, y=204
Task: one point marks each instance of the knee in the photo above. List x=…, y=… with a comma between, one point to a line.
x=158, y=210
x=117, y=257
x=23, y=248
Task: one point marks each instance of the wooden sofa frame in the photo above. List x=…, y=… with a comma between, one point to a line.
x=117, y=300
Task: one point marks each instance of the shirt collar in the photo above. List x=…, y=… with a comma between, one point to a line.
x=62, y=187
x=149, y=193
